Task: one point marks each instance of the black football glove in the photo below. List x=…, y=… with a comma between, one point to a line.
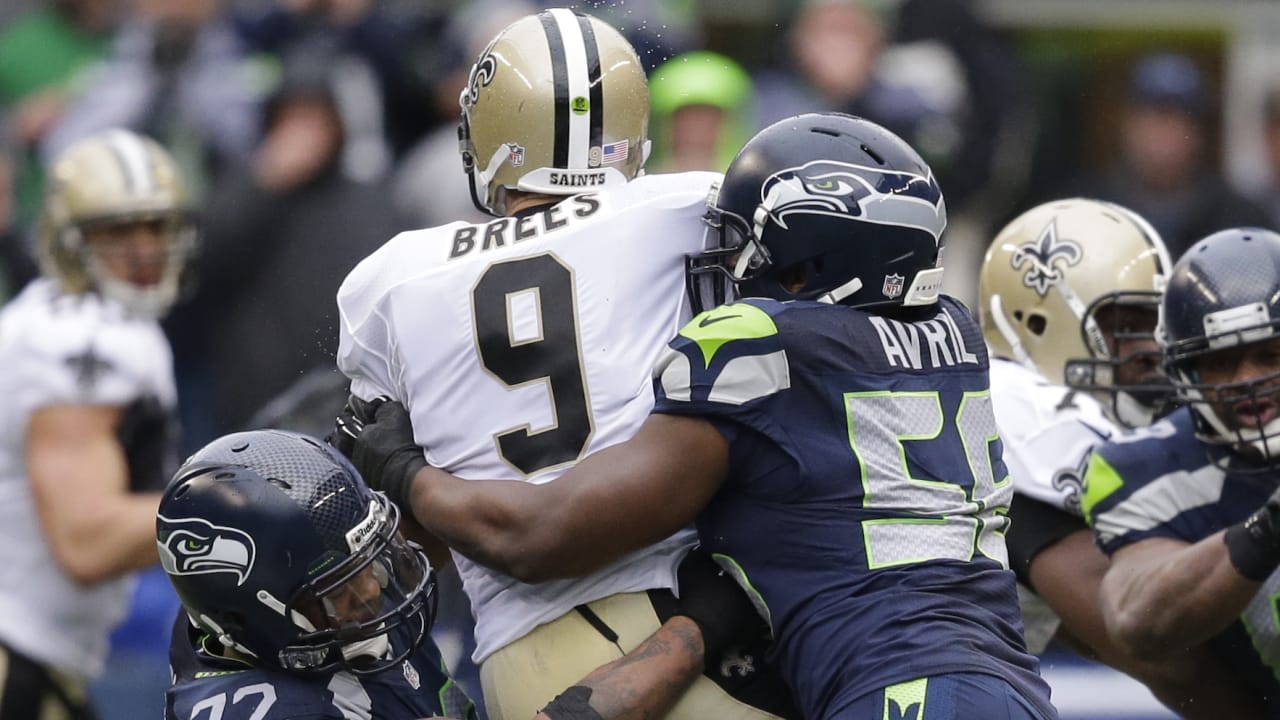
x=349, y=423
x=1254, y=545
x=382, y=446
x=717, y=603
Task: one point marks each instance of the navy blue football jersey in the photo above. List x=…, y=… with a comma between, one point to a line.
x=1162, y=482
x=865, y=500
x=209, y=687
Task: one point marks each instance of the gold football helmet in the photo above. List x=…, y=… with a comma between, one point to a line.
x=1066, y=284
x=107, y=181
x=557, y=104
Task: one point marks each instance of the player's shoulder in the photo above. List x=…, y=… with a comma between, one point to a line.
x=730, y=354
x=669, y=189
x=44, y=322
x=1026, y=403
x=252, y=694
x=1168, y=445
x=1141, y=480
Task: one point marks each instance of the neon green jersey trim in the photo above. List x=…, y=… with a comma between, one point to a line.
x=714, y=328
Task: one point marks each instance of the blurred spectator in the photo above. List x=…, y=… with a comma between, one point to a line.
x=429, y=187
x=1160, y=170
x=937, y=76
x=702, y=112
x=178, y=73
x=17, y=265
x=833, y=47
x=1270, y=197
x=280, y=236
x=43, y=55
x=658, y=29
x=382, y=57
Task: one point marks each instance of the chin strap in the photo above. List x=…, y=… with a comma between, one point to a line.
x=835, y=295
x=996, y=306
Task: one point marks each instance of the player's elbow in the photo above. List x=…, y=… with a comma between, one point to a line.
x=1137, y=632
x=83, y=568
x=536, y=558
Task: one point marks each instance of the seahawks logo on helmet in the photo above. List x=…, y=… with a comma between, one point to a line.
x=868, y=194
x=193, y=546
x=1046, y=257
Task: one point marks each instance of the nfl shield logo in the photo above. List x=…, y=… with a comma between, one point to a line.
x=411, y=675
x=515, y=154
x=892, y=286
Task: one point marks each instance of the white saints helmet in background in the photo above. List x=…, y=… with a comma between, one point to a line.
x=116, y=222
x=558, y=103
x=1070, y=289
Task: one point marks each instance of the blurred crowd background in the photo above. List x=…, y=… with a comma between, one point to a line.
x=314, y=130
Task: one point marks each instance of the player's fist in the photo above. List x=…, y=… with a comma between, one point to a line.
x=1254, y=545
x=718, y=604
x=350, y=422
x=384, y=450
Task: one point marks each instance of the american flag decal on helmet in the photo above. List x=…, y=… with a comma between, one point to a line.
x=614, y=152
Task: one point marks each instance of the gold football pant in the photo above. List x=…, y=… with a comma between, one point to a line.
x=30, y=691
x=521, y=678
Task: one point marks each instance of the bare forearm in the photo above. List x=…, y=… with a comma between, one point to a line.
x=613, y=502
x=645, y=683
x=484, y=520
x=1177, y=596
x=110, y=539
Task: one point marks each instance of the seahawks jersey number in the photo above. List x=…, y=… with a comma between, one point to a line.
x=926, y=519
x=546, y=351
x=257, y=698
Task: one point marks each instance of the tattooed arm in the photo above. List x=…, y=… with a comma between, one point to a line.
x=641, y=685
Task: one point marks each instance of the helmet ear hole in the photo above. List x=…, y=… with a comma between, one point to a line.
x=1037, y=324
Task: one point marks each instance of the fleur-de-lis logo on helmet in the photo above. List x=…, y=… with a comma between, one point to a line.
x=481, y=75
x=1046, y=257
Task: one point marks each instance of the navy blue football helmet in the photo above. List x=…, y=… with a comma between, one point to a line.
x=280, y=551
x=1222, y=294
x=841, y=199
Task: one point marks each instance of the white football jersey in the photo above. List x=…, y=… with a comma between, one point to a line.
x=522, y=345
x=1047, y=432
x=59, y=349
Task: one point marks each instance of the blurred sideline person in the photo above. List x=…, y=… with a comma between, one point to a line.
x=91, y=434
x=523, y=344
x=1188, y=509
x=1068, y=292
x=703, y=111
x=303, y=599
x=832, y=434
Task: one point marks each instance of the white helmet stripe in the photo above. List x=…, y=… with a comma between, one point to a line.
x=131, y=154
x=577, y=74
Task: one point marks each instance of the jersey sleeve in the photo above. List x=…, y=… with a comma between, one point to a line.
x=366, y=347
x=79, y=359
x=726, y=364
x=1131, y=495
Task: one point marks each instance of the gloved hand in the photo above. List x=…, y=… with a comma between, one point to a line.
x=349, y=423
x=383, y=448
x=1254, y=545
x=718, y=604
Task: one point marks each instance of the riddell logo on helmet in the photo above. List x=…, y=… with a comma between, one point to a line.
x=358, y=536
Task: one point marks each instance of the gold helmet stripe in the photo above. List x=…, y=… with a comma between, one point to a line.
x=131, y=154
x=572, y=78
